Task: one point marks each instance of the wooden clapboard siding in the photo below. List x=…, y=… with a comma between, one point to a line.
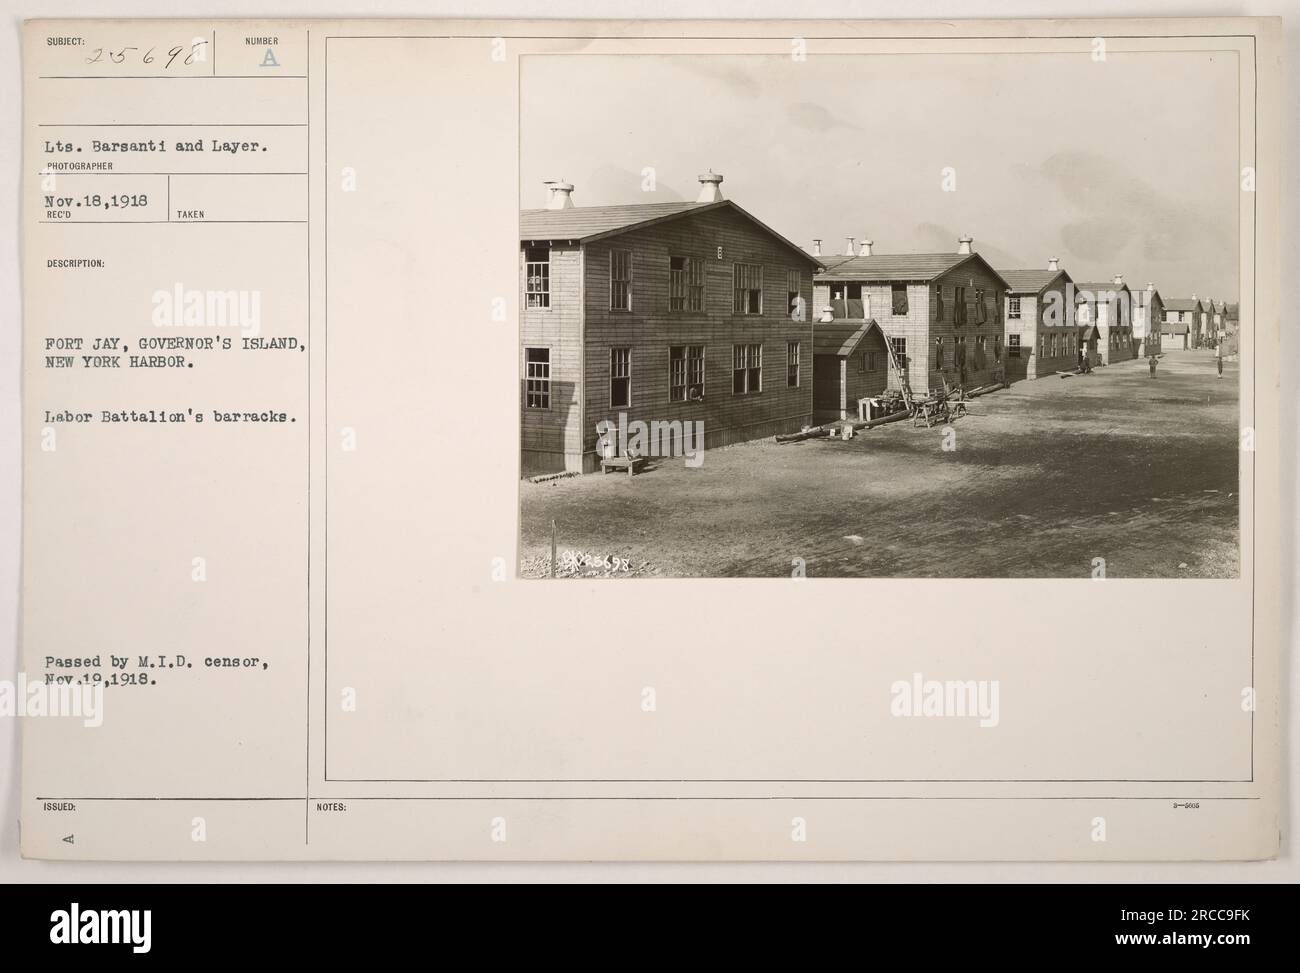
x=972, y=275
x=878, y=303
x=862, y=382
x=922, y=323
x=650, y=328
x=1035, y=329
x=1153, y=315
x=1113, y=319
x=551, y=439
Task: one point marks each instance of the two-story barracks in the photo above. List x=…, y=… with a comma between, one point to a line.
x=659, y=312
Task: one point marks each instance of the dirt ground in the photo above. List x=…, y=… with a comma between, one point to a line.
x=1045, y=477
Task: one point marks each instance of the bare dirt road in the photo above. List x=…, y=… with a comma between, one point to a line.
x=1045, y=477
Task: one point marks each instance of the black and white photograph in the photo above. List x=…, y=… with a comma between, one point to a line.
x=908, y=315
x=900, y=394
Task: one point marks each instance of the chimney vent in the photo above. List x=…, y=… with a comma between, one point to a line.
x=1118, y=279
x=1150, y=286
x=849, y=249
x=865, y=249
x=963, y=244
x=561, y=194
x=710, y=191
x=1053, y=263
x=817, y=248
x=828, y=314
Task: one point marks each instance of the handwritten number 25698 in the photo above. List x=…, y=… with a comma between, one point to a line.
x=148, y=57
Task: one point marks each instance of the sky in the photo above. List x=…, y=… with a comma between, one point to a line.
x=1126, y=166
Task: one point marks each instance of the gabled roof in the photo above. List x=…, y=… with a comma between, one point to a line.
x=591, y=223
x=841, y=337
x=1140, y=296
x=1182, y=304
x=1031, y=281
x=889, y=267
x=585, y=222
x=1101, y=287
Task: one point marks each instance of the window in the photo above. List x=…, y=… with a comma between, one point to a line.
x=870, y=361
x=959, y=305
x=997, y=347
x=620, y=280
x=848, y=301
x=938, y=303
x=794, y=302
x=792, y=364
x=1013, y=346
x=746, y=369
x=537, y=272
x=686, y=373
x=899, y=346
x=537, y=378
x=685, y=284
x=897, y=299
x=1013, y=307
x=981, y=351
x=981, y=309
x=938, y=353
x=620, y=377
x=747, y=280
x=959, y=351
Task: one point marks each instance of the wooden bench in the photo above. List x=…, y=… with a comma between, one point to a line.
x=629, y=463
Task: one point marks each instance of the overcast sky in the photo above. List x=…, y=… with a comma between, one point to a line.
x=1128, y=166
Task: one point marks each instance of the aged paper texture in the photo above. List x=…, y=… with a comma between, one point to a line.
x=937, y=366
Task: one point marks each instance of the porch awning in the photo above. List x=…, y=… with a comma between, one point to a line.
x=841, y=337
x=837, y=338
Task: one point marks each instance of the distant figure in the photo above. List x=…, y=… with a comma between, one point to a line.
x=1218, y=358
x=1152, y=362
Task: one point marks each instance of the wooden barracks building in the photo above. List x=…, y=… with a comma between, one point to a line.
x=1148, y=317
x=659, y=312
x=1184, y=319
x=941, y=312
x=1041, y=337
x=1104, y=315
